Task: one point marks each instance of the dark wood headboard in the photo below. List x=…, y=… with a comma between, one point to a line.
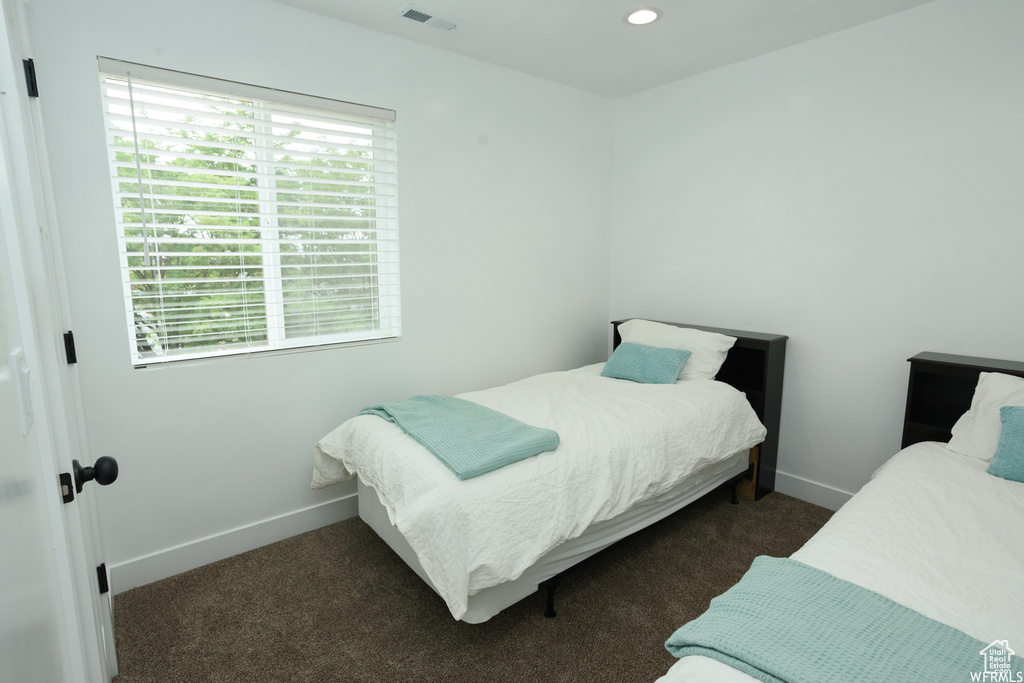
x=940, y=390
x=755, y=366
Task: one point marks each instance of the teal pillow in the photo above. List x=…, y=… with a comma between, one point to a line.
x=1008, y=462
x=646, y=364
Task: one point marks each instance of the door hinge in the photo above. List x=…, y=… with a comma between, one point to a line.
x=69, y=347
x=30, y=77
x=67, y=487
x=101, y=576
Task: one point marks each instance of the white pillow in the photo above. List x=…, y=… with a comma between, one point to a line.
x=977, y=431
x=708, y=349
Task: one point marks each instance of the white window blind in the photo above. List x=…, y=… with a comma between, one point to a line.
x=249, y=219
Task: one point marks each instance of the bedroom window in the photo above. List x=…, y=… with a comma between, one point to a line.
x=248, y=219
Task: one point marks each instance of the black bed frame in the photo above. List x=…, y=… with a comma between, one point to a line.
x=940, y=390
x=755, y=366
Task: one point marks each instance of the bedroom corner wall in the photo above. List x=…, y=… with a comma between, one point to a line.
x=504, y=257
x=862, y=193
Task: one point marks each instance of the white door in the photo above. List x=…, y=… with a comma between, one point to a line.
x=55, y=623
x=34, y=643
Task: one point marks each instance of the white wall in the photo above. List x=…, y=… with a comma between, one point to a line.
x=862, y=193
x=504, y=233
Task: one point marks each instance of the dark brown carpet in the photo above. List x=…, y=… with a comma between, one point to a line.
x=336, y=604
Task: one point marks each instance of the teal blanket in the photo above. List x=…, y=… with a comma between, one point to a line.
x=467, y=437
x=788, y=622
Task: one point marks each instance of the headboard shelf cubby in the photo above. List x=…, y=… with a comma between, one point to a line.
x=940, y=390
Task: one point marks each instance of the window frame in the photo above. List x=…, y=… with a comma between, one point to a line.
x=388, y=296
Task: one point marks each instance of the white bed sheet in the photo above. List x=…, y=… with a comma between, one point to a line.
x=622, y=443
x=933, y=531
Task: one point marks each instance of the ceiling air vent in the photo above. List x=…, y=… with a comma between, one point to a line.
x=418, y=15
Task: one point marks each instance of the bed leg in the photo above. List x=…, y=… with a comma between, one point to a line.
x=550, y=585
x=735, y=500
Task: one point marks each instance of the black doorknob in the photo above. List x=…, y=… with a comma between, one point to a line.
x=104, y=471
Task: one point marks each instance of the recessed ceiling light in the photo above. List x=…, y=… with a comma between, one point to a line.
x=643, y=16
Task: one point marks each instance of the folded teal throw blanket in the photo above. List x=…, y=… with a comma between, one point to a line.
x=788, y=622
x=467, y=437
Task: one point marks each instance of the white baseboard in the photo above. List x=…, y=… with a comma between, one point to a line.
x=813, y=492
x=161, y=564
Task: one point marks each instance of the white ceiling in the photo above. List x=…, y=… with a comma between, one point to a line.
x=588, y=45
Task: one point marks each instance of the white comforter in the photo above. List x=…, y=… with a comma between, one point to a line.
x=621, y=443
x=933, y=531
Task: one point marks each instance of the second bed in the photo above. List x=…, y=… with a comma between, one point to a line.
x=933, y=531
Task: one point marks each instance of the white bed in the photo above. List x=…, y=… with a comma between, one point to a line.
x=629, y=454
x=932, y=530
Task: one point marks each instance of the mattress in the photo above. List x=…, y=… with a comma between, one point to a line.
x=622, y=444
x=933, y=531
